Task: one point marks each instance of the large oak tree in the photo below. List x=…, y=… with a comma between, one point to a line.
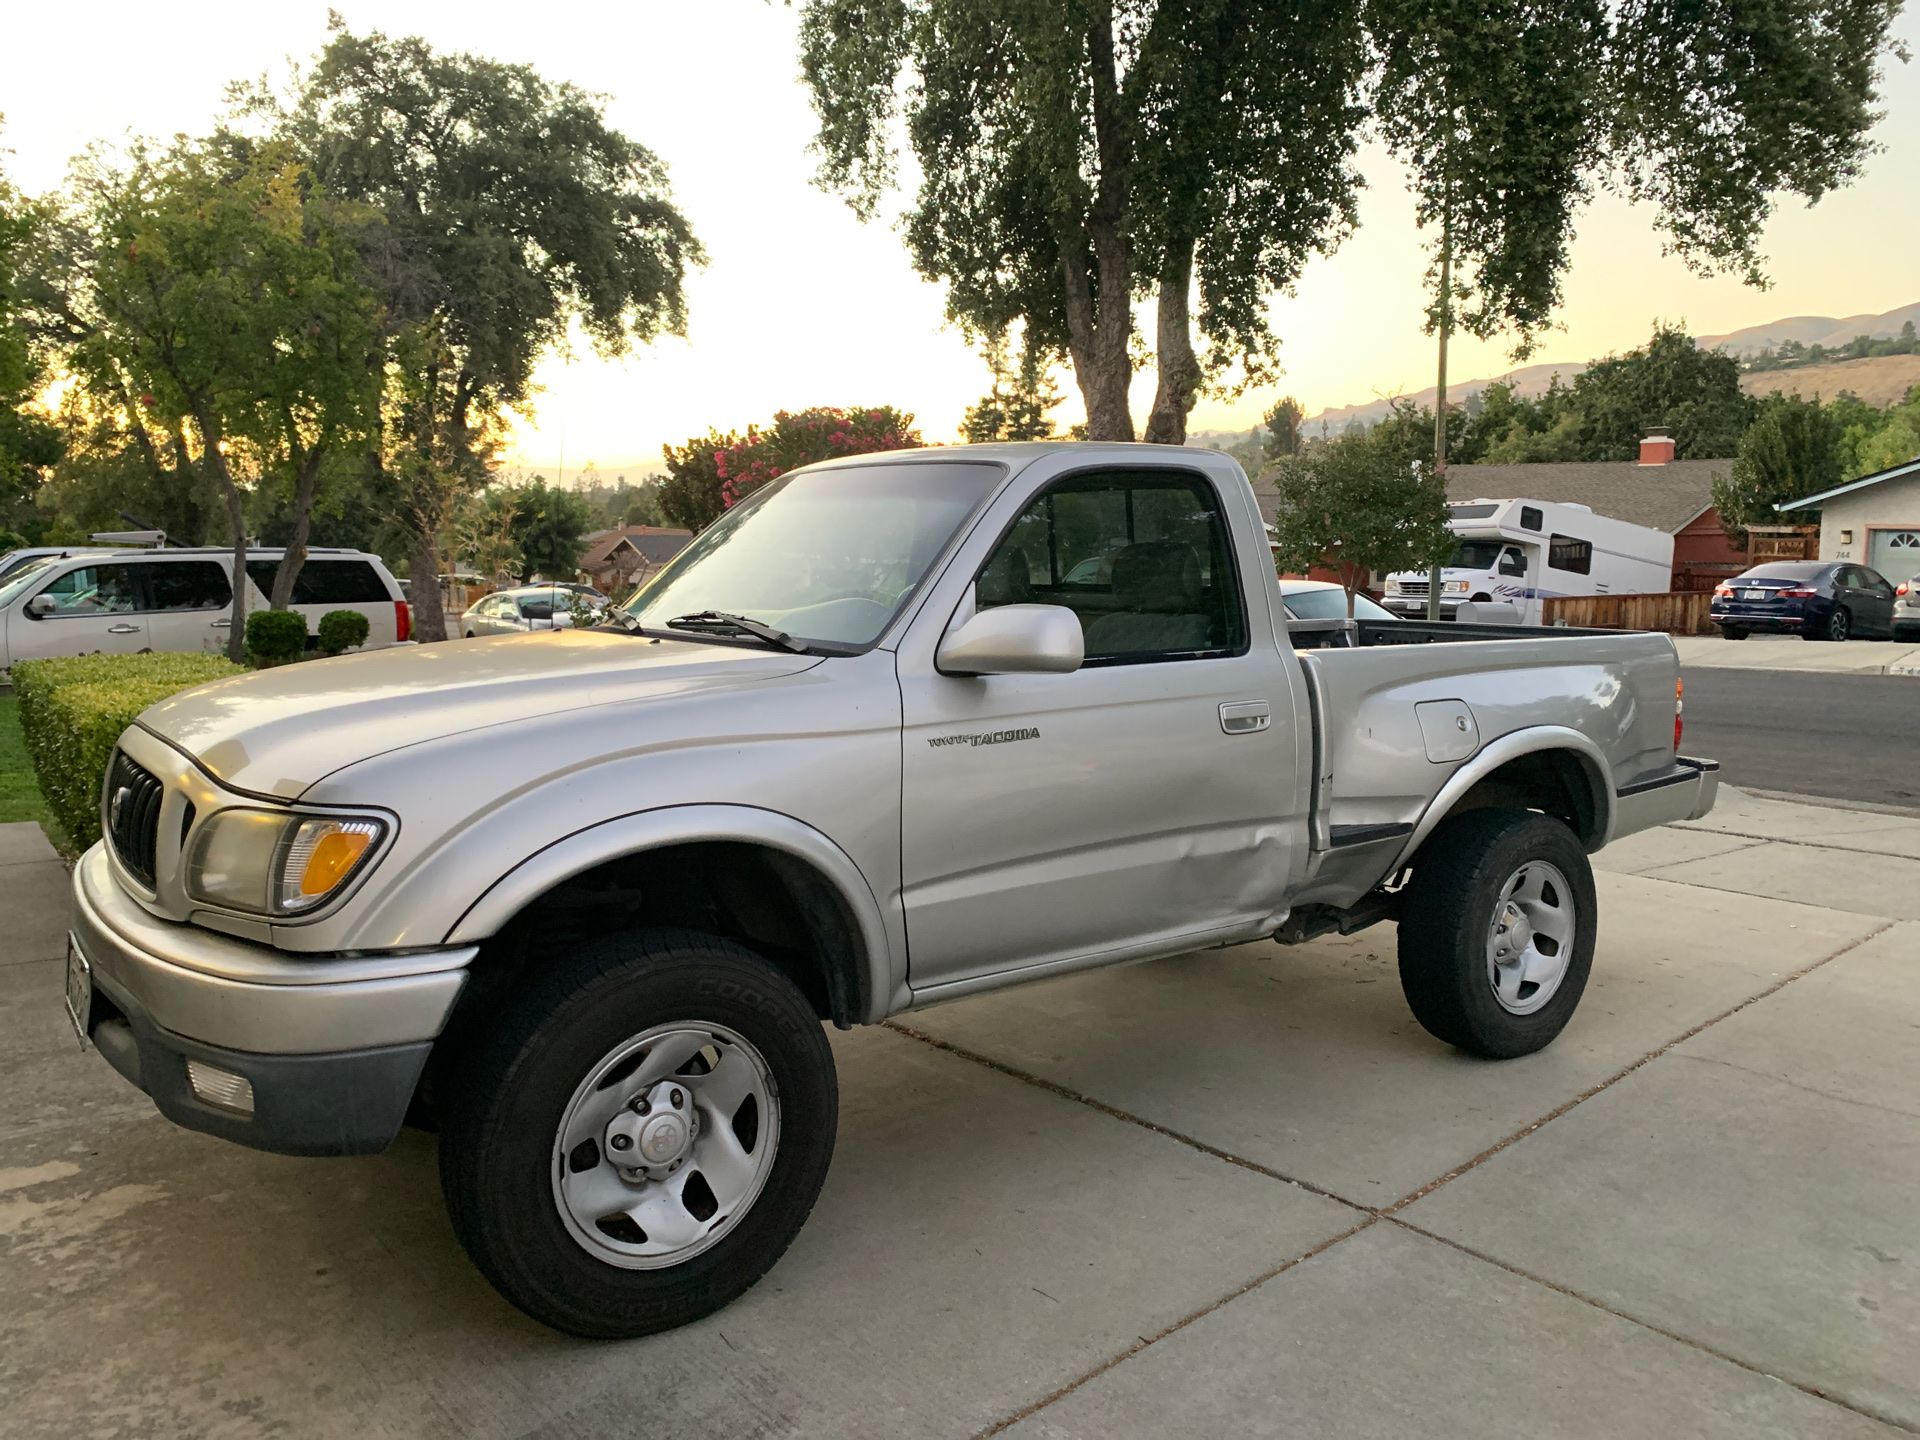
x=513, y=212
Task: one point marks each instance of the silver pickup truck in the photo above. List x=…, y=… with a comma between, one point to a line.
x=894, y=730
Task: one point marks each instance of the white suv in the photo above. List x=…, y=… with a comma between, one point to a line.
x=128, y=601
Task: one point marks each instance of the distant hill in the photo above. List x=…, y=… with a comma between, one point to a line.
x=1812, y=330
x=1883, y=377
x=1879, y=380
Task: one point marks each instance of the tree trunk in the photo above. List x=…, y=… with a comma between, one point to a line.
x=210, y=437
x=1179, y=383
x=1100, y=306
x=423, y=585
x=304, y=482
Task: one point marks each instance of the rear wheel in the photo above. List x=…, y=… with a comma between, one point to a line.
x=1732, y=632
x=641, y=1134
x=1497, y=934
x=1838, y=627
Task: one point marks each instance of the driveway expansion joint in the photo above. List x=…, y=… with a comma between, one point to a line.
x=1679, y=1339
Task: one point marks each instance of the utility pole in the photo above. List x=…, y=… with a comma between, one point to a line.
x=1440, y=398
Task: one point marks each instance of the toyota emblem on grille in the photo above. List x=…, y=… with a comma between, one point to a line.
x=117, y=804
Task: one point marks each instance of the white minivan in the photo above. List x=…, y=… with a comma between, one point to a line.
x=1526, y=552
x=128, y=601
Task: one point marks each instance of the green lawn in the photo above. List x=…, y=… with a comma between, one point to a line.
x=19, y=795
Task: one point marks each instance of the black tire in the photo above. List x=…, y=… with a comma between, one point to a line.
x=1732, y=633
x=509, y=1087
x=1838, y=628
x=1448, y=911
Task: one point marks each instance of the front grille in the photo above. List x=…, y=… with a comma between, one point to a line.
x=1413, y=587
x=132, y=815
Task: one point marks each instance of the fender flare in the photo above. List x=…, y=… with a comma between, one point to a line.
x=571, y=855
x=1511, y=746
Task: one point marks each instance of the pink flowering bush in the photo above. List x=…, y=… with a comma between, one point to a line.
x=712, y=473
x=799, y=438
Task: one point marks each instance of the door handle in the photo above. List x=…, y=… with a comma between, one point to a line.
x=221, y=624
x=123, y=629
x=1245, y=717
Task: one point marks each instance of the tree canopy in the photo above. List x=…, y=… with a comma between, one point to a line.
x=29, y=441
x=1361, y=504
x=711, y=473
x=513, y=210
x=1792, y=449
x=1077, y=155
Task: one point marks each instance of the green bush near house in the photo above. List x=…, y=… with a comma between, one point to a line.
x=342, y=630
x=73, y=709
x=275, y=637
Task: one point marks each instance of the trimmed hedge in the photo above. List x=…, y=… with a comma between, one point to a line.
x=73, y=709
x=275, y=637
x=341, y=630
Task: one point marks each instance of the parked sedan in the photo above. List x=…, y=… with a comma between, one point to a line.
x=1322, y=600
x=1906, y=609
x=1814, y=599
x=529, y=607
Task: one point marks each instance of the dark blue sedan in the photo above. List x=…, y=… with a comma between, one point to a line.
x=1814, y=599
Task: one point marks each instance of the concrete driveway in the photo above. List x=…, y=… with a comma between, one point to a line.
x=1233, y=1193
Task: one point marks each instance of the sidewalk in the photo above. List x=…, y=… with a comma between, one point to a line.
x=1238, y=1192
x=1790, y=652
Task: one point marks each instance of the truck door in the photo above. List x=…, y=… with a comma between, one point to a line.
x=1148, y=796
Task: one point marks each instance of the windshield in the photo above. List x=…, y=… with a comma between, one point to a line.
x=24, y=577
x=1331, y=604
x=1474, y=555
x=827, y=556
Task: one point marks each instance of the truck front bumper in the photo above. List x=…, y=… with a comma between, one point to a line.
x=306, y=1055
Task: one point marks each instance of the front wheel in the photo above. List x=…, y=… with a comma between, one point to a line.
x=640, y=1135
x=1497, y=933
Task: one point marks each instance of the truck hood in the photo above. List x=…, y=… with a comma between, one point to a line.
x=279, y=731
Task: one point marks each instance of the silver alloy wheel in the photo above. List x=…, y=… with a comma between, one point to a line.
x=665, y=1145
x=1531, y=937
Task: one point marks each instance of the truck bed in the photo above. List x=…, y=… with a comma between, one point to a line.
x=1393, y=725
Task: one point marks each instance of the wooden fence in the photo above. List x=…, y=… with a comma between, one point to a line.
x=1677, y=614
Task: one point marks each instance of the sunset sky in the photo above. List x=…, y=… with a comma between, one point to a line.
x=801, y=304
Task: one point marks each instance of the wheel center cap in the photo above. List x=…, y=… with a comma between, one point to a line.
x=662, y=1138
x=1513, y=933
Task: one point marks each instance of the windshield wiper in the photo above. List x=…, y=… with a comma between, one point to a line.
x=740, y=624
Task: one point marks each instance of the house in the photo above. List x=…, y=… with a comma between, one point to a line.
x=1655, y=490
x=1874, y=520
x=617, y=560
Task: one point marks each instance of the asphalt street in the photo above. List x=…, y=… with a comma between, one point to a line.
x=1841, y=737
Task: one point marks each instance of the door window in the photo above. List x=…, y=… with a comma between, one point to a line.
x=1142, y=558
x=92, y=590
x=189, y=585
x=1512, y=562
x=1566, y=553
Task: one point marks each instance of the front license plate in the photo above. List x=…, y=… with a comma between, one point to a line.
x=79, y=989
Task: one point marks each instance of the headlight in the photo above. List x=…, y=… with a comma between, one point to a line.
x=1457, y=587
x=268, y=862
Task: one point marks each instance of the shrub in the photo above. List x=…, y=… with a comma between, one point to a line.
x=342, y=630
x=275, y=636
x=73, y=709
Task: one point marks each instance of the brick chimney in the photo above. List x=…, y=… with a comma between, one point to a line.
x=1657, y=447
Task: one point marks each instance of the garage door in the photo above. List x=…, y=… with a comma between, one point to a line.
x=1896, y=554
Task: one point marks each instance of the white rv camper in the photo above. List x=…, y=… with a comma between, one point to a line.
x=1525, y=552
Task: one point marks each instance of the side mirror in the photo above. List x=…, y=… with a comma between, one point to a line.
x=1014, y=640
x=41, y=605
